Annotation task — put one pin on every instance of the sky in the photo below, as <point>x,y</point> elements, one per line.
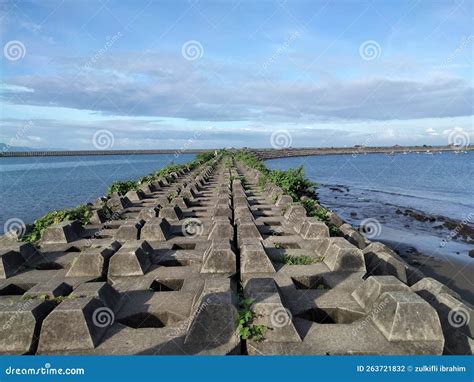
<point>212,74</point>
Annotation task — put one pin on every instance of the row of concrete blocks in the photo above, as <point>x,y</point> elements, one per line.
<point>355,253</point>
<point>72,325</point>
<point>15,255</point>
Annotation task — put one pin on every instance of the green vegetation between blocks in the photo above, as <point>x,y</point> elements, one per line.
<point>294,260</point>
<point>122,187</point>
<point>245,326</point>
<point>293,183</point>
<point>83,213</point>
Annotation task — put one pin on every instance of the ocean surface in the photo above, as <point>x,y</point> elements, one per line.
<point>379,188</point>
<point>31,187</point>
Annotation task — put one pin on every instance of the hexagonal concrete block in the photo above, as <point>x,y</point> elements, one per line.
<point>20,324</point>
<point>157,229</point>
<point>10,263</point>
<point>64,232</point>
<point>372,288</point>
<point>404,317</point>
<point>130,261</point>
<point>254,259</point>
<point>76,324</point>
<point>314,229</point>
<point>219,258</point>
<point>343,256</point>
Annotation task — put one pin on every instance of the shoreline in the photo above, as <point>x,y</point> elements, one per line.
<point>432,262</point>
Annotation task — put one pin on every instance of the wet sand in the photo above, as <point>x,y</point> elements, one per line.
<point>455,273</point>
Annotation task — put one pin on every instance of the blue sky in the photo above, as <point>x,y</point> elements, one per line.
<point>189,74</point>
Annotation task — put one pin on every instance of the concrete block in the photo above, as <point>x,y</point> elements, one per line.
<point>353,236</point>
<point>135,195</point>
<point>157,229</point>
<point>312,228</point>
<point>100,290</point>
<point>219,258</point>
<point>131,260</point>
<point>372,288</point>
<point>92,262</point>
<point>221,231</point>
<point>10,262</point>
<point>343,256</point>
<point>64,232</point>
<point>76,324</point>
<point>270,311</point>
<point>254,259</point>
<point>214,316</point>
<point>130,230</point>
<point>20,324</point>
<point>49,290</point>
<point>405,317</point>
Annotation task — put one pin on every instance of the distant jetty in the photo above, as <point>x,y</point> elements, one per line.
<point>262,153</point>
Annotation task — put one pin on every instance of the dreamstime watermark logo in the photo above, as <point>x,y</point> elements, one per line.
<point>280,317</point>
<point>14,50</point>
<point>25,305</point>
<point>280,50</point>
<point>20,133</point>
<point>103,139</point>
<point>14,228</point>
<point>370,50</point>
<point>281,139</point>
<point>110,41</point>
<point>192,227</point>
<point>192,50</point>
<point>455,232</point>
<point>369,317</point>
<point>459,137</point>
<point>370,228</point>
<point>103,317</point>
<point>178,330</point>
<point>458,317</point>
<point>462,46</point>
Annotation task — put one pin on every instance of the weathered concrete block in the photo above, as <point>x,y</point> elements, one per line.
<point>20,324</point>
<point>133,259</point>
<point>270,311</point>
<point>313,229</point>
<point>10,262</point>
<point>92,262</point>
<point>381,260</point>
<point>129,230</point>
<point>284,200</point>
<point>171,213</point>
<point>407,318</point>
<point>343,256</point>
<point>372,288</point>
<point>76,324</point>
<point>247,231</point>
<point>429,288</point>
<point>254,259</point>
<point>117,203</point>
<point>101,290</point>
<point>156,229</point>
<point>64,232</point>
<point>49,290</point>
<point>219,258</point>
<point>353,236</point>
<point>148,213</point>
<point>135,195</point>
<point>221,231</point>
<point>295,215</point>
<point>213,319</point>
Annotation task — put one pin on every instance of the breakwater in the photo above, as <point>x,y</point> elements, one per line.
<point>210,261</point>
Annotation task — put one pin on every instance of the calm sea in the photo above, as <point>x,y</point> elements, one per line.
<point>31,187</point>
<point>382,187</point>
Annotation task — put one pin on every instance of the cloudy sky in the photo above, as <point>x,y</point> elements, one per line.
<point>189,74</point>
